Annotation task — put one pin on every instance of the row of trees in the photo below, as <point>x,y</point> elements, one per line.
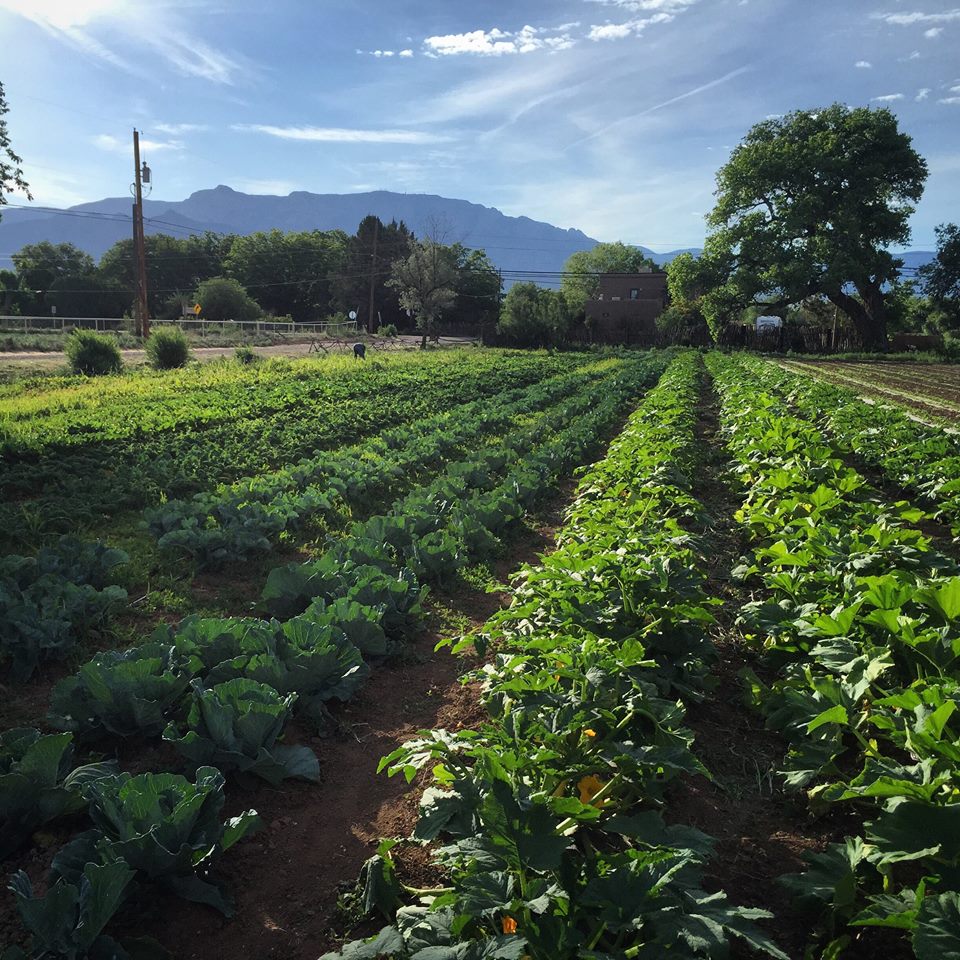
<point>305,275</point>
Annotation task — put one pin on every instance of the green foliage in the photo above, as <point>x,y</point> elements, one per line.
<point>351,290</point>
<point>92,353</point>
<point>167,348</point>
<point>224,298</point>
<point>810,204</point>
<point>67,921</point>
<point>246,356</point>
<point>580,281</point>
<point>287,273</point>
<point>38,783</point>
<point>173,263</point>
<point>534,316</point>
<point>11,174</point>
<point>683,322</point>
<point>941,278</point>
<point>387,330</point>
<point>162,826</point>
<point>425,283</point>
<point>857,619</point>
<point>235,726</point>
<point>51,601</point>
<point>559,851</point>
<point>125,693</point>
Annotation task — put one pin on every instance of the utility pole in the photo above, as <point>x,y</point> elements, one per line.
<point>139,247</point>
<point>373,274</point>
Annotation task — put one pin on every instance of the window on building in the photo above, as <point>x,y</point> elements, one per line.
<point>634,294</point>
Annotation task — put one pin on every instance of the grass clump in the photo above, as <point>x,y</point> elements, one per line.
<point>92,353</point>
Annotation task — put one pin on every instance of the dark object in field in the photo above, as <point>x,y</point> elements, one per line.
<point>360,351</point>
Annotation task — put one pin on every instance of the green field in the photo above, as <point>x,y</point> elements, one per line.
<point>708,610</point>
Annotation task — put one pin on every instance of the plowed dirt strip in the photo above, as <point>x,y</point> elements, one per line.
<point>915,399</point>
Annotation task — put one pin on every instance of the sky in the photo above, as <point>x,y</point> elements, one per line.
<point>611,116</point>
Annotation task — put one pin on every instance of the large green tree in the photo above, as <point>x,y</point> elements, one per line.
<point>425,283</point>
<point>808,204</point>
<point>43,266</point>
<point>175,265</point>
<point>941,277</point>
<point>582,270</point>
<point>535,316</point>
<point>11,173</point>
<point>370,256</point>
<point>289,274</point>
<point>477,287</point>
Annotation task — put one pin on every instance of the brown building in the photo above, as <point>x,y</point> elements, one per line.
<point>627,306</point>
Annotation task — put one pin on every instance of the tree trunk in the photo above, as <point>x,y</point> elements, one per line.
<point>869,318</point>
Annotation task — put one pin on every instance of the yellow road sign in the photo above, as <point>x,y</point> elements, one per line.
<point>197,308</point>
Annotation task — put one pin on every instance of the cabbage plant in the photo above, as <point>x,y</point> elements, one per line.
<point>126,693</point>
<point>235,725</point>
<point>37,784</point>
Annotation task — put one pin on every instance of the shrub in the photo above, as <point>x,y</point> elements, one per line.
<point>167,348</point>
<point>92,353</point>
<point>223,298</point>
<point>388,330</point>
<point>246,356</point>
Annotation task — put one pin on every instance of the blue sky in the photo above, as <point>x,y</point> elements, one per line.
<point>608,115</point>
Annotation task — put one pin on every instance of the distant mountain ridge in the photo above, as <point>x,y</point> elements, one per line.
<point>517,245</point>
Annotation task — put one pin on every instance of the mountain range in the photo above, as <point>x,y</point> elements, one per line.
<point>522,248</point>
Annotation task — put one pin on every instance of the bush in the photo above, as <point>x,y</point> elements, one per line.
<point>246,356</point>
<point>223,298</point>
<point>92,353</point>
<point>388,330</point>
<point>167,348</point>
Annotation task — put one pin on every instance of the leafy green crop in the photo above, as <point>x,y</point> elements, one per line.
<point>546,817</point>
<point>236,725</point>
<point>48,602</point>
<point>127,693</point>
<point>162,826</point>
<point>38,783</point>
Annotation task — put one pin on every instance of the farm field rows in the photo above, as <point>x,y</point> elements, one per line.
<point>711,716</point>
<point>929,390</point>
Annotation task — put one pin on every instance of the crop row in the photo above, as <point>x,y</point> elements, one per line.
<point>246,517</point>
<point>922,459</point>
<point>859,627</point>
<point>222,692</point>
<point>548,814</point>
<point>56,485</point>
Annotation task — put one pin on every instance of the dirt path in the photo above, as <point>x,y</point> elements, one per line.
<point>131,357</point>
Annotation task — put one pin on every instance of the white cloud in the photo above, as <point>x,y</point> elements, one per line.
<point>497,42</point>
<point>863,64</point>
<point>887,98</point>
<point>635,6</point>
<point>112,144</point>
<point>906,19</point>
<point>922,94</point>
<point>632,28</point>
<point>666,103</point>
<point>174,129</point>
<point>405,53</point>
<point>340,134</point>
<point>949,100</point>
<point>164,34</point>
<point>933,32</point>
<point>272,188</point>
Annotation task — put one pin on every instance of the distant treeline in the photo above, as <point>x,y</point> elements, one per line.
<point>306,276</point>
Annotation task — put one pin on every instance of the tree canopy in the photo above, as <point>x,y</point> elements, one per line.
<point>11,173</point>
<point>941,277</point>
<point>425,280</point>
<point>808,204</point>
<point>535,316</point>
<point>580,280</point>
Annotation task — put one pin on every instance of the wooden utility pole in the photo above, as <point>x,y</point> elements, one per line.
<point>139,247</point>
<point>373,274</point>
